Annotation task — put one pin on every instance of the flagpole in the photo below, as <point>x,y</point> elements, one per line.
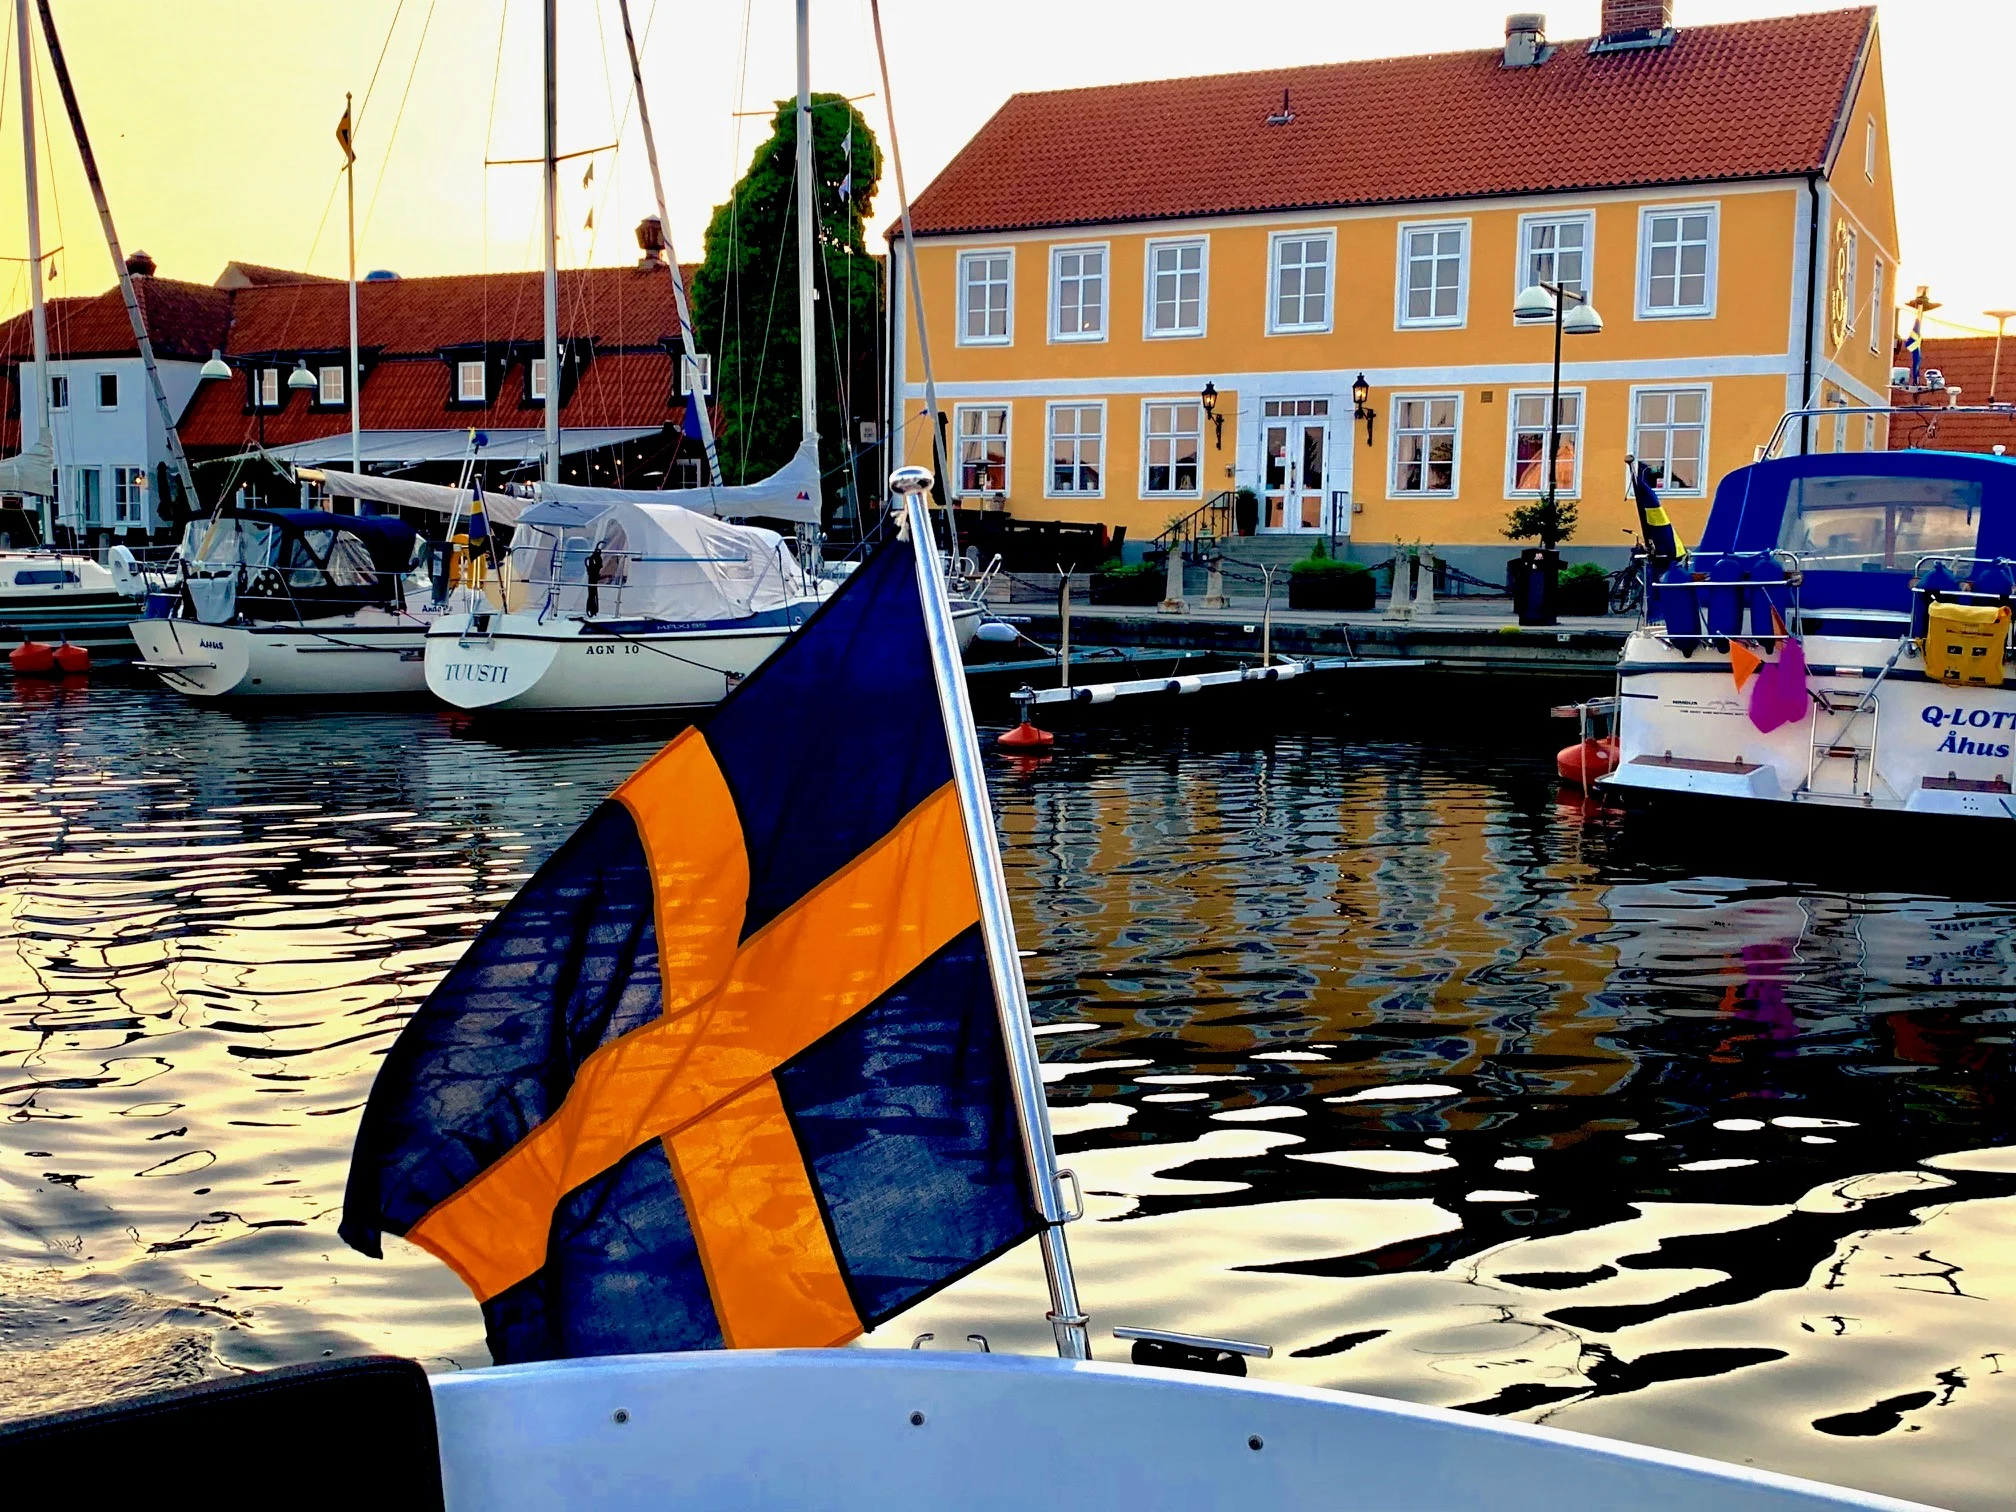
<point>350,180</point>
<point>552,235</point>
<point>997,927</point>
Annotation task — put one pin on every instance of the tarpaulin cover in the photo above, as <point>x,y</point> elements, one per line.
<point>728,1070</point>
<point>32,472</point>
<point>403,493</point>
<point>791,493</point>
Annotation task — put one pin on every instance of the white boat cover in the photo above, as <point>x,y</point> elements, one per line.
<point>406,448</point>
<point>32,472</point>
<point>404,493</point>
<point>659,562</point>
<point>791,493</point>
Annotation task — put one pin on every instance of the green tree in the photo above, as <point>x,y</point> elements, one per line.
<point>1548,519</point>
<point>745,296</point>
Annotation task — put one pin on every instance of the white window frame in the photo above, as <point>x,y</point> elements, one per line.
<point>1397,494</point>
<point>1057,254</point>
<point>1401,320</point>
<point>1705,311</point>
<point>1050,491</point>
<point>462,372</point>
<point>1869,150</point>
<point>1275,326</point>
<point>688,472</point>
<point>1175,333</point>
<point>700,362</point>
<point>967,257</point>
<point>266,388</point>
<point>1707,392</point>
<point>1573,488</point>
<point>1868,433</point>
<point>322,395</point>
<point>1876,281</point>
<point>98,384</point>
<point>59,391</point>
<point>1203,422</point>
<point>90,506</point>
<point>1520,280</point>
<point>129,496</point>
<point>1007,412</point>
<point>535,380</point>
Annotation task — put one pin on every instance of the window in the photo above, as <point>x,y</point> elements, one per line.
<point>984,282</point>
<point>329,385</point>
<point>689,472</point>
<point>1555,250</point>
<point>1078,294</point>
<point>1432,291</point>
<point>129,495</point>
<point>1878,326</point>
<point>1301,299</point>
<point>1174,442</point>
<point>108,391</point>
<point>1669,434</point>
<point>1869,150</point>
<point>59,392</point>
<point>1424,444</point>
<point>267,394</point>
<point>90,505</point>
<point>535,380</point>
<point>1077,449</point>
<point>1677,262</point>
<point>1868,433</point>
<point>983,448</point>
<point>1848,524</point>
<point>470,387</point>
<point>1840,403</point>
<point>1851,254</point>
<point>700,365</point>
<point>1176,288</point>
<point>1528,412</point>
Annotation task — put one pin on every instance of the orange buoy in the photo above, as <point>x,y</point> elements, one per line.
<point>1025,735</point>
<point>72,659</point>
<point>1587,760</point>
<point>32,659</point>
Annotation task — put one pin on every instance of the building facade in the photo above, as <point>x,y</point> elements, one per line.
<point>1142,297</point>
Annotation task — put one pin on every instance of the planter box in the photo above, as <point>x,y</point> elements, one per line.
<point>1136,590</point>
<point>1332,590</point>
<point>1582,595</point>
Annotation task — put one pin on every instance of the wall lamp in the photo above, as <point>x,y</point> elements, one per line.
<point>1360,410</point>
<point>1210,399</point>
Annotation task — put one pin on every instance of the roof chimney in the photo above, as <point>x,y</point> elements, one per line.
<point>1525,39</point>
<point>651,239</point>
<point>139,264</point>
<point>1636,23</point>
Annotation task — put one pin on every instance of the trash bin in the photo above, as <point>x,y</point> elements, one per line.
<point>1532,578</point>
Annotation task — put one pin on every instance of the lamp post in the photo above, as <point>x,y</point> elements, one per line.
<point>1360,410</point>
<point>1550,302</point>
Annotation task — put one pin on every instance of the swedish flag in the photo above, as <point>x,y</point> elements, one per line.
<point>728,1071</point>
<point>1914,343</point>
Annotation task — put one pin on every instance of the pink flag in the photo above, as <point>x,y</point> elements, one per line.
<point>1779,694</point>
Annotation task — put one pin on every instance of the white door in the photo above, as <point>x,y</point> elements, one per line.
<point>1294,463</point>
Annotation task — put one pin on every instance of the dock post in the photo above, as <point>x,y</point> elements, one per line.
<point>1424,583</point>
<point>1172,589</point>
<point>1267,619</point>
<point>1063,628</point>
<point>1214,590</point>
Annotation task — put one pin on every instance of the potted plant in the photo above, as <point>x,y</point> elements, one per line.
<point>1246,511</point>
<point>1137,584</point>
<point>1320,581</point>
<point>1584,589</point>
<point>1533,576</point>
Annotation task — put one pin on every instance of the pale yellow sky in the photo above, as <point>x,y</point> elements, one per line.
<point>213,119</point>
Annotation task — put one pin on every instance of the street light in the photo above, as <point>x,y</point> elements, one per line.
<point>301,378</point>
<point>1360,410</point>
<point>1209,399</point>
<point>1550,302</point>
<point>216,367</point>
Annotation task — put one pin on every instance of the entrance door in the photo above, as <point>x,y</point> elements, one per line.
<point>1295,455</point>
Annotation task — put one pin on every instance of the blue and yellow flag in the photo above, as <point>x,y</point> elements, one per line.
<point>728,1071</point>
<point>1914,343</point>
<point>1662,542</point>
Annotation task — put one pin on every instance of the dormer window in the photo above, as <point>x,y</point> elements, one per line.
<point>535,379</point>
<point>329,385</point>
<point>266,388</point>
<point>470,387</point>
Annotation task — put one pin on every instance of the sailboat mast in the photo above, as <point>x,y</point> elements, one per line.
<point>350,183</point>
<point>38,318</point>
<point>552,176</point>
<point>808,350</point>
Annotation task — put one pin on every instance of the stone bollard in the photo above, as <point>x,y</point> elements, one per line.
<point>1424,583</point>
<point>1172,592</point>
<point>1214,591</point>
<point>1400,603</point>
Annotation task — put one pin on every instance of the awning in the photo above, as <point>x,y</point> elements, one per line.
<point>408,448</point>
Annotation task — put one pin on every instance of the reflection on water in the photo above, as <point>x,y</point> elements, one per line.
<point>1379,1054</point>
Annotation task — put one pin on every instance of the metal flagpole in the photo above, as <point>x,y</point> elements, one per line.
<point>552,174</point>
<point>350,180</point>
<point>39,320</point>
<point>808,349</point>
<point>997,927</point>
<point>691,352</point>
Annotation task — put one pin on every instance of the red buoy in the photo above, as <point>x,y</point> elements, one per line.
<point>71,660</point>
<point>32,659</point>
<point>1025,735</point>
<point>1586,761</point>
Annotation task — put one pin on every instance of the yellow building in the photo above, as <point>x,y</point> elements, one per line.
<point>1142,297</point>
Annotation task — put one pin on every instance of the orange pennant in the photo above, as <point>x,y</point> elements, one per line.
<point>1743,662</point>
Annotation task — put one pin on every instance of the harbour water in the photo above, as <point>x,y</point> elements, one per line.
<point>1374,1049</point>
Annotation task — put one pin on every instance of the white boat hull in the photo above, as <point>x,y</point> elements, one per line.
<point>515,664</point>
<point>1917,747</point>
<point>372,655</point>
<point>878,1430</point>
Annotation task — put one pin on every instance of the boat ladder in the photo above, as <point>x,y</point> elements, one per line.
<point>1844,728</point>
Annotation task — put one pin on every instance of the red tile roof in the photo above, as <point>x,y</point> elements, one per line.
<point>244,275</point>
<point>1967,362</point>
<point>1755,99</point>
<point>184,320</point>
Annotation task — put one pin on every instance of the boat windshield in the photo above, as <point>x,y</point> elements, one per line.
<point>1869,524</point>
<point>341,558</point>
<point>231,542</point>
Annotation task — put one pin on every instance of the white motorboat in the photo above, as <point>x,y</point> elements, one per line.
<point>54,596</point>
<point>278,603</point>
<point>1839,640</point>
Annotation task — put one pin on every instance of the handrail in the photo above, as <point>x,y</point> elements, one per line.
<point>1214,517</point>
<point>1822,411</point>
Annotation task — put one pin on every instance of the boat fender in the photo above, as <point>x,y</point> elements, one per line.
<point>995,633</point>
<point>32,659</point>
<point>1102,693</point>
<point>1189,684</point>
<point>126,575</point>
<point>1022,737</point>
<point>1585,761</point>
<point>72,660</point>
